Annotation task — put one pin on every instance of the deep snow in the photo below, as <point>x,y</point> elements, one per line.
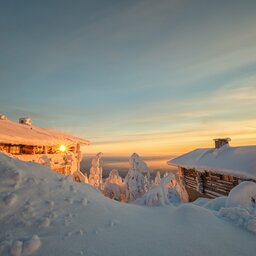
<point>46,213</point>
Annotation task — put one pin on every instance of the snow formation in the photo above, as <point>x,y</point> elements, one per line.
<point>114,187</point>
<point>95,177</point>
<point>134,180</point>
<point>157,194</point>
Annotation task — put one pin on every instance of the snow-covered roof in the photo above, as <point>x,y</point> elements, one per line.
<point>15,133</point>
<point>235,161</point>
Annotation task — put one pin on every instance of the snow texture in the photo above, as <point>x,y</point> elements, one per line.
<point>234,161</point>
<point>53,215</point>
<point>15,133</point>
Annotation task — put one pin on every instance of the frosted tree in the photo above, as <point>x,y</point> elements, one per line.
<point>78,176</point>
<point>180,188</point>
<point>157,194</point>
<point>134,180</point>
<point>114,187</point>
<point>95,177</point>
<point>158,178</point>
<point>146,183</point>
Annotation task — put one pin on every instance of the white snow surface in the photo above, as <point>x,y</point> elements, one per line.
<point>46,213</point>
<point>236,161</point>
<point>15,133</point>
<point>244,195</point>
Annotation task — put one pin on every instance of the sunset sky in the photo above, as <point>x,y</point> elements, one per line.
<point>152,77</point>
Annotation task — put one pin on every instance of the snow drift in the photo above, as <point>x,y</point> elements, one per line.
<point>46,213</point>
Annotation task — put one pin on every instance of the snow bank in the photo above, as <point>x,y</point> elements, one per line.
<point>244,195</point>
<point>46,213</point>
<point>240,206</point>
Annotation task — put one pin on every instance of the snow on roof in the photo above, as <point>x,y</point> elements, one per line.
<point>235,161</point>
<point>15,133</point>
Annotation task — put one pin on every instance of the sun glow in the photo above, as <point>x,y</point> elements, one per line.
<point>63,148</point>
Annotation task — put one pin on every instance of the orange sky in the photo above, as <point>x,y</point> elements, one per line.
<point>176,142</point>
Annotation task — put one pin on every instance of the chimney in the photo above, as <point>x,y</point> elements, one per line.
<point>221,142</point>
<point>25,120</point>
<point>3,117</point>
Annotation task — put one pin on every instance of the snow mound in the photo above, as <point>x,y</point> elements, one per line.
<point>244,195</point>
<point>240,206</point>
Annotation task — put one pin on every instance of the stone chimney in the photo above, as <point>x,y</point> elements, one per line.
<point>219,142</point>
<point>25,120</point>
<point>3,117</point>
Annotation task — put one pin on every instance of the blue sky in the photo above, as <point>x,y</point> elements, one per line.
<point>151,76</point>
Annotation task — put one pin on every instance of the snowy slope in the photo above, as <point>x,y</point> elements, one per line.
<point>66,218</point>
<point>237,161</point>
<point>15,133</point>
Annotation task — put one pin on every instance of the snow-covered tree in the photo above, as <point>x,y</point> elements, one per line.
<point>134,180</point>
<point>78,176</point>
<point>157,194</point>
<point>95,177</point>
<point>158,178</point>
<point>114,186</point>
<point>180,188</point>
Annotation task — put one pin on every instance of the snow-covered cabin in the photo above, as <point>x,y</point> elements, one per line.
<point>213,172</point>
<point>57,149</point>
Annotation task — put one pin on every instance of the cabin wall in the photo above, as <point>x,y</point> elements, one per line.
<point>207,184</point>
<point>64,162</point>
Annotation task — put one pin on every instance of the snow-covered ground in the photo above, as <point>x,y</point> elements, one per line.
<point>45,213</point>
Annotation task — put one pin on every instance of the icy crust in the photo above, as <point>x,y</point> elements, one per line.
<point>46,213</point>
<point>234,161</point>
<point>15,133</point>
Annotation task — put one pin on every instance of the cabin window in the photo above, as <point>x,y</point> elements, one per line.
<point>72,149</point>
<point>15,150</point>
<point>227,178</point>
<point>39,150</point>
<point>4,148</point>
<point>52,150</point>
<point>27,150</point>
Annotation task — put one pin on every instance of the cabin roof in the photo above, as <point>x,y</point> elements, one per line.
<point>22,134</point>
<point>235,161</point>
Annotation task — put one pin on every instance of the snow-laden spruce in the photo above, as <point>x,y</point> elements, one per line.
<point>95,177</point>
<point>134,180</point>
<point>114,187</point>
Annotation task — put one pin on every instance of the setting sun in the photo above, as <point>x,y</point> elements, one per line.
<point>63,148</point>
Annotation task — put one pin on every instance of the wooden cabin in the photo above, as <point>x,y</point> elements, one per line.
<point>56,149</point>
<point>213,172</point>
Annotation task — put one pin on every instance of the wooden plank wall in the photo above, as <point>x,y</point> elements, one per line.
<point>214,184</point>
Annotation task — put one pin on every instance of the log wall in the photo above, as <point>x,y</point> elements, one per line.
<point>211,184</point>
